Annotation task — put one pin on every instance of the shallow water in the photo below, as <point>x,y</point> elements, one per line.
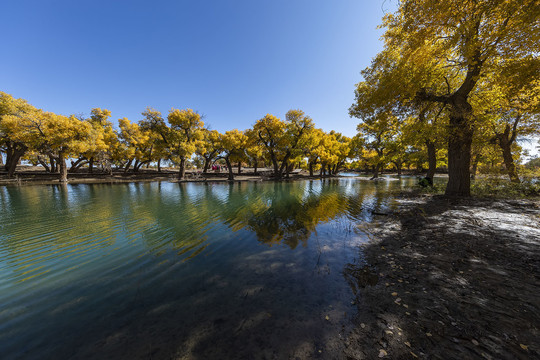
<point>168,270</point>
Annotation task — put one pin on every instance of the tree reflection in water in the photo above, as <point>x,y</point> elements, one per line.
<point>145,263</point>
<point>280,212</point>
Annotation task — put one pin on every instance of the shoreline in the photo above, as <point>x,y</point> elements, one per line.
<point>449,278</point>
<point>39,177</point>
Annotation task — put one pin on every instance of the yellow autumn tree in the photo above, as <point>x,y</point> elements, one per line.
<point>233,145</point>
<point>209,148</point>
<point>186,134</point>
<point>60,137</point>
<point>15,138</point>
<point>439,52</point>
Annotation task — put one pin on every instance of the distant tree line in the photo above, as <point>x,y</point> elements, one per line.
<point>52,140</point>
<point>384,142</point>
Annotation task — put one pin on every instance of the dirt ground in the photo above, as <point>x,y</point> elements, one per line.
<point>450,279</point>
<point>36,175</point>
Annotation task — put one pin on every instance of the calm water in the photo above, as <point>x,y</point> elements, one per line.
<point>167,270</point>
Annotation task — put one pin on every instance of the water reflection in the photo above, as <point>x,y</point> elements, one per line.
<point>68,219</point>
<point>164,263</point>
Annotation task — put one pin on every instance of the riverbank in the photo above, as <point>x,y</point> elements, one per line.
<point>450,279</point>
<point>36,175</point>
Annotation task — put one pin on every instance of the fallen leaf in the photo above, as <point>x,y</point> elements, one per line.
<point>394,294</point>
<point>429,334</point>
<point>362,325</point>
<point>524,347</point>
<point>389,332</point>
<point>408,343</point>
<point>407,306</point>
<point>413,354</point>
<point>382,353</point>
<point>327,318</point>
<point>474,342</point>
<point>408,313</point>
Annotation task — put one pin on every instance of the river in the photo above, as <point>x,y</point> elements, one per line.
<point>182,270</point>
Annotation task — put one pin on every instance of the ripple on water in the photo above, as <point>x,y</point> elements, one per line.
<point>185,266</point>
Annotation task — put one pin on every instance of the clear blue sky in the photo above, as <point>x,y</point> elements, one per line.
<point>233,61</point>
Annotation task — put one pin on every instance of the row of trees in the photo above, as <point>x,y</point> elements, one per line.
<point>51,140</point>
<point>383,140</point>
<point>464,75</point>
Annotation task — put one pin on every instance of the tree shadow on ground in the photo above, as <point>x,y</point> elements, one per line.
<point>456,279</point>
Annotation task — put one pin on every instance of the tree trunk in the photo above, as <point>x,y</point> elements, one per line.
<point>44,164</point>
<point>13,156</point>
<point>288,170</point>
<point>509,160</point>
<point>128,165</point>
<point>255,163</point>
<point>375,172</point>
<point>459,149</point>
<point>182,172</point>
<point>206,164</point>
<point>63,167</point>
<point>139,164</point>
<point>75,165</point>
<point>1,159</point>
<point>159,165</point>
<point>229,167</point>
<point>276,167</point>
<point>475,166</point>
<point>398,164</point>
<point>239,167</point>
<point>91,165</point>
<point>432,160</point>
<point>505,140</point>
<point>54,164</point>
<point>321,172</point>
<point>310,168</point>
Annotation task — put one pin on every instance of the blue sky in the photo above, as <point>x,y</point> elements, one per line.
<point>233,61</point>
